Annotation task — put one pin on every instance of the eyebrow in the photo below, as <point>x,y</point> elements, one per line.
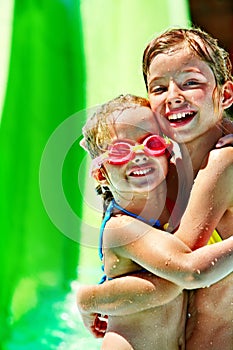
<point>185,71</point>
<point>192,70</point>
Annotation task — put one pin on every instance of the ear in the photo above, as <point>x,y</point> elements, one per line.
<point>82,143</point>
<point>227,94</point>
<point>99,176</point>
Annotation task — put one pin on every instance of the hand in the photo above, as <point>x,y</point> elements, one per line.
<point>100,325</point>
<point>226,140</point>
<point>95,323</point>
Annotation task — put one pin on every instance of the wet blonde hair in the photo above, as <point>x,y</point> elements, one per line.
<point>97,130</point>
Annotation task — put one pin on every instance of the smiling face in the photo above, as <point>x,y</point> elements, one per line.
<point>183,95</point>
<point>143,172</point>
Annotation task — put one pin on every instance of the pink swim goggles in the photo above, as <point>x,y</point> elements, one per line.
<point>123,152</point>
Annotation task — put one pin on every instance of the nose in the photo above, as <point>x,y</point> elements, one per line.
<point>140,158</point>
<point>175,96</point>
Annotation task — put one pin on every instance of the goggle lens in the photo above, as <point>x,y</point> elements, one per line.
<point>155,144</point>
<point>119,153</point>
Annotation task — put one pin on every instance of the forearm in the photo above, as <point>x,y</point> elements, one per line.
<point>126,295</point>
<point>174,261</point>
<point>200,268</point>
<point>210,264</point>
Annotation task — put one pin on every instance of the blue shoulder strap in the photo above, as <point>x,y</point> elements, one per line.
<point>107,216</point>
<point>151,222</point>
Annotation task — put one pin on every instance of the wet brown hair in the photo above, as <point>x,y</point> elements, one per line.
<point>199,42</point>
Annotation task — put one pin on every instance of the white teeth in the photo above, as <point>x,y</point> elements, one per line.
<point>178,116</point>
<point>141,172</point>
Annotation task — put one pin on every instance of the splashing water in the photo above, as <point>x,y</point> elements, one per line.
<point>54,323</point>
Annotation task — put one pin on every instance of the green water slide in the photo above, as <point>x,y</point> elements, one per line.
<point>46,84</point>
<point>66,56</point>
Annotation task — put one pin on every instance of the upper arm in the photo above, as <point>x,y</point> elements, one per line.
<point>211,196</point>
<point>168,257</point>
<point>137,243</point>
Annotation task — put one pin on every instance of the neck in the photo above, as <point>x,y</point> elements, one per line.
<point>148,205</point>
<point>197,150</point>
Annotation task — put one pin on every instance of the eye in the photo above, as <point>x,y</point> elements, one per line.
<point>192,83</point>
<point>157,90</point>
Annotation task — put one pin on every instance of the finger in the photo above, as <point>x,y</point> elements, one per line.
<point>226,140</point>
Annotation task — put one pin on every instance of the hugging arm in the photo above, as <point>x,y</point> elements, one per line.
<point>171,256</point>
<point>210,200</point>
<point>166,255</point>
<point>122,296</point>
<point>125,295</point>
<point>173,260</point>
<point>135,293</point>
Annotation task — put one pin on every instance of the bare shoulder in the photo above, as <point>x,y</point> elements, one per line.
<point>121,230</point>
<point>215,178</point>
<point>221,156</point>
<point>219,162</point>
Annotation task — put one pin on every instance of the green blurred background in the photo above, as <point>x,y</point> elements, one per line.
<point>58,58</point>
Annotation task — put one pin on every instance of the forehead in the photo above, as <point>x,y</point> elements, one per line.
<point>135,121</point>
<point>179,61</point>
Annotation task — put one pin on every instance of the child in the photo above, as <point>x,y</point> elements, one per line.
<point>133,161</point>
<point>190,88</point>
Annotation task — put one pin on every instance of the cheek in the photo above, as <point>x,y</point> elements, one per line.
<point>115,173</point>
<point>162,166</point>
<point>200,96</point>
<point>209,106</point>
<point>155,101</point>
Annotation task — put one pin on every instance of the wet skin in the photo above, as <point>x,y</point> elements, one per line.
<point>189,107</point>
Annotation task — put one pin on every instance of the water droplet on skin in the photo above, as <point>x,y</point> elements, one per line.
<point>167,262</point>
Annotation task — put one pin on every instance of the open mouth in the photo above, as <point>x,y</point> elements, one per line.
<point>179,118</point>
<point>141,172</point>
